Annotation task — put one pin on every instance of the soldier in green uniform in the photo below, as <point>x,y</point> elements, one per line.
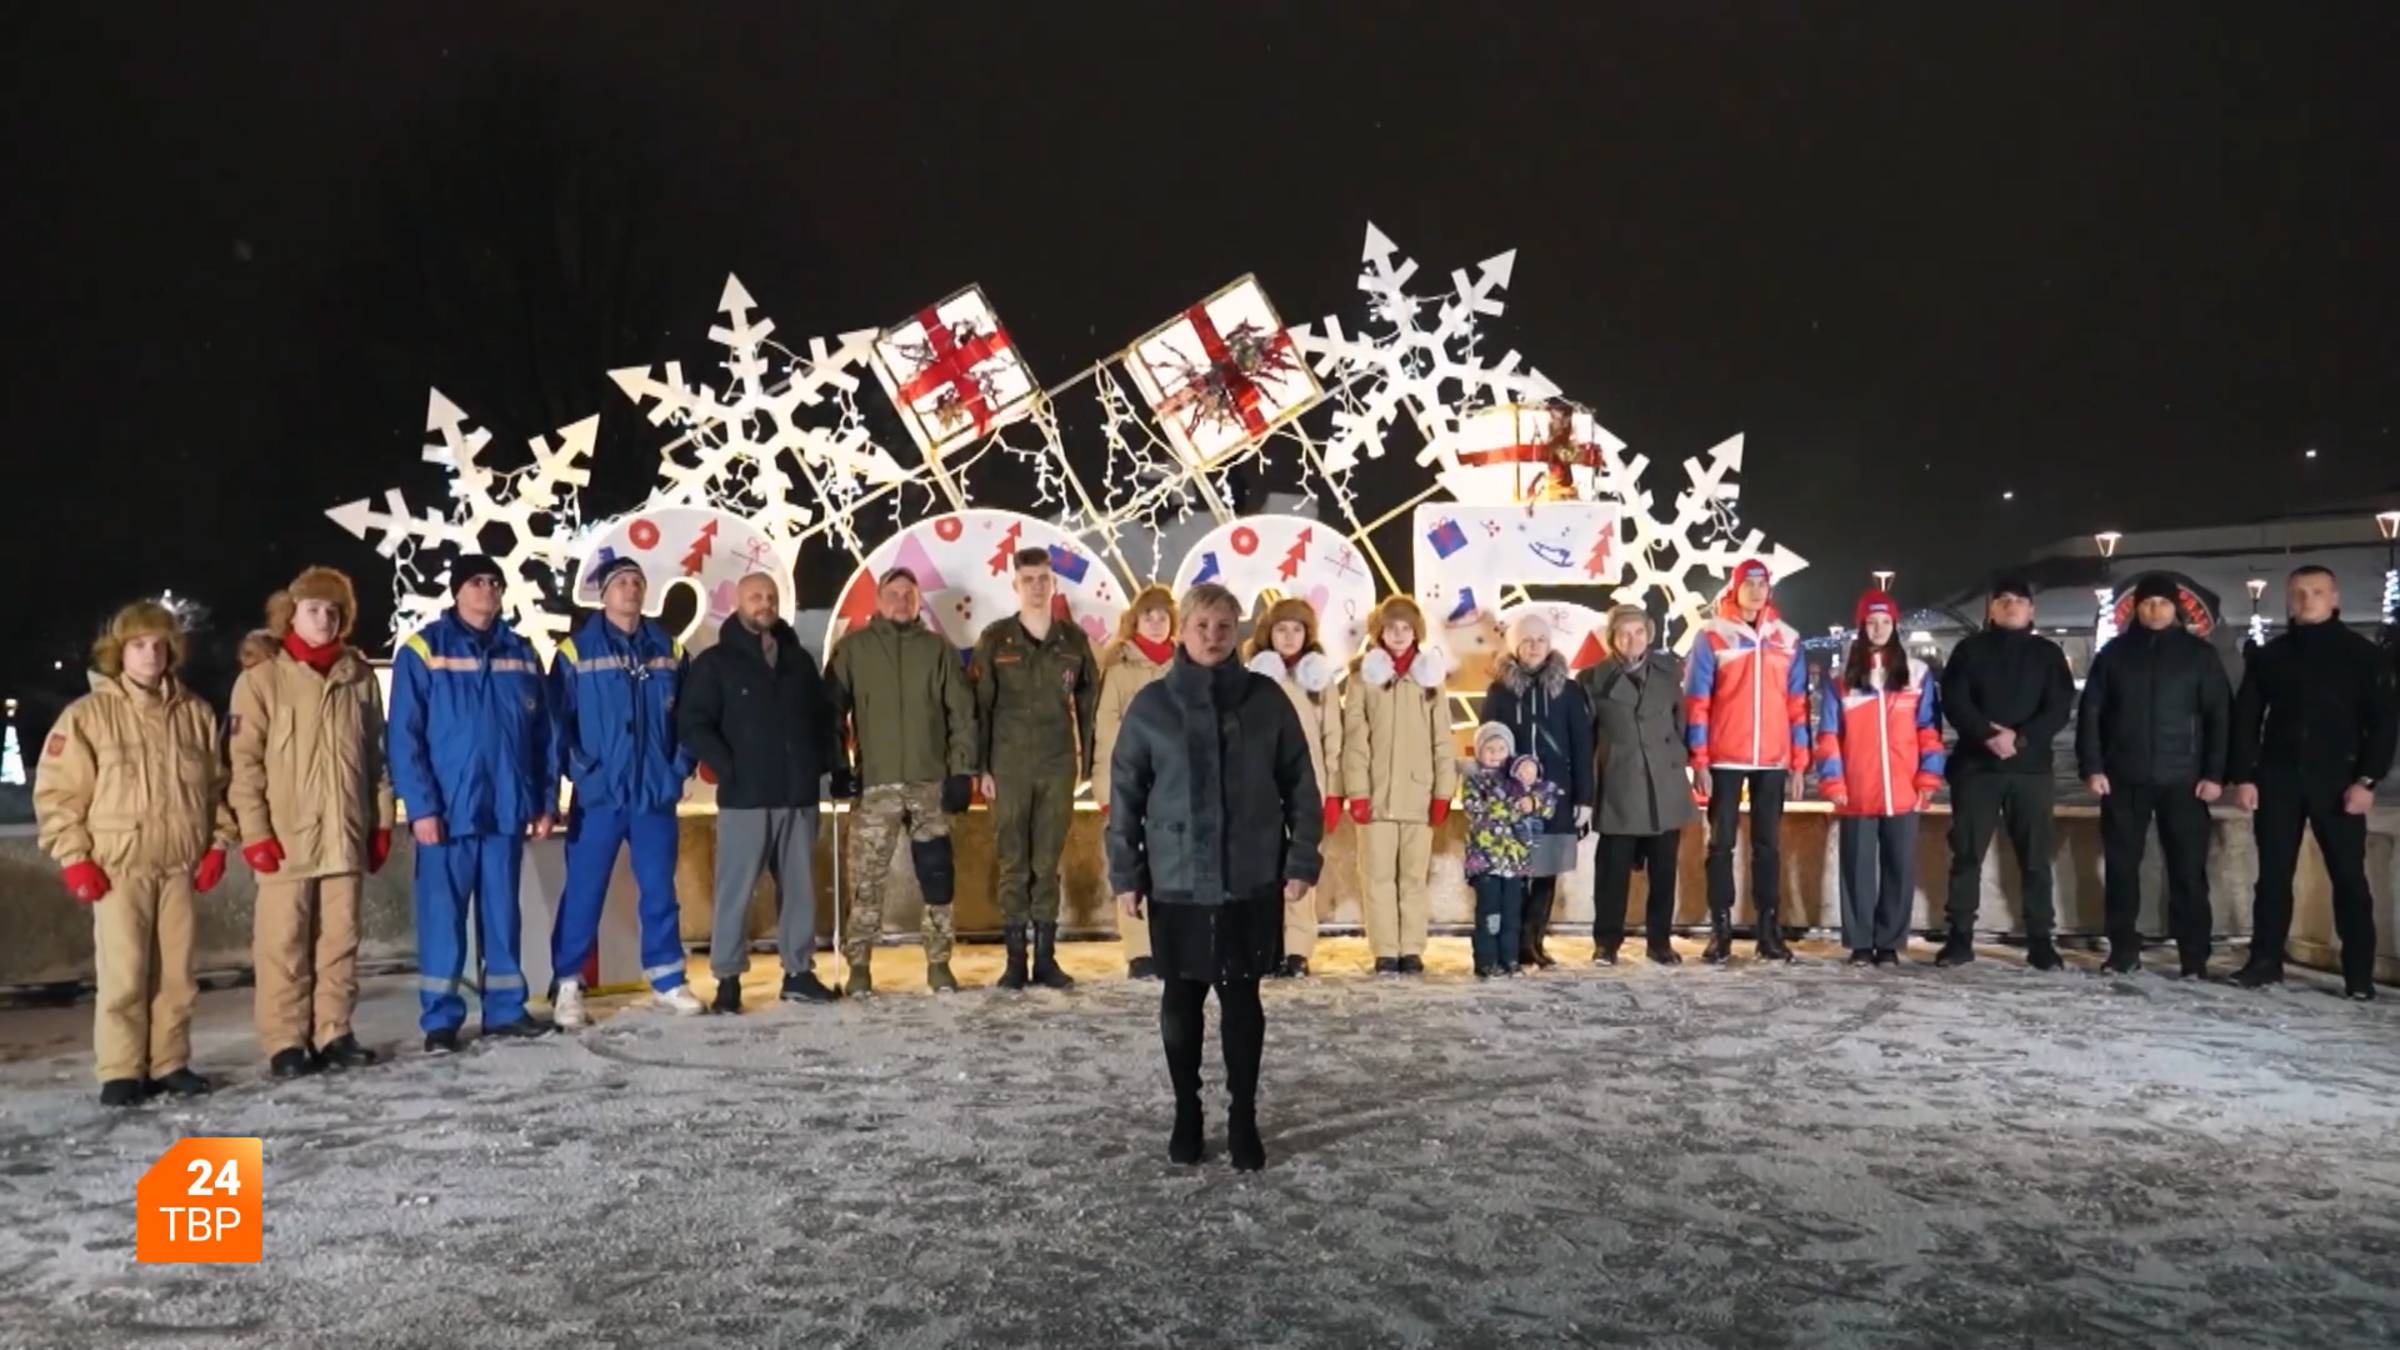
<point>1035,688</point>
<point>901,696</point>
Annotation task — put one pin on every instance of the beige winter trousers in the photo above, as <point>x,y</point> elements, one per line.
<point>1300,925</point>
<point>304,945</point>
<point>142,961</point>
<point>1397,857</point>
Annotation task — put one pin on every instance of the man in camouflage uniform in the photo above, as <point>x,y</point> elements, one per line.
<point>901,697</point>
<point>1036,685</point>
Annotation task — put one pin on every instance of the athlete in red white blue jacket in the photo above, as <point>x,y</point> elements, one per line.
<point>1879,758</point>
<point>1746,703</point>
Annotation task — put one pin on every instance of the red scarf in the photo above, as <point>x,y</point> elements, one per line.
<point>1403,661</point>
<point>1160,653</point>
<point>318,659</point>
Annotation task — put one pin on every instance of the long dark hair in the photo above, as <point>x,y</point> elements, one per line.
<point>1857,672</point>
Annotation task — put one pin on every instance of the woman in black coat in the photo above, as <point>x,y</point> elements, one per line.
<point>1536,697</point>
<point>1214,822</point>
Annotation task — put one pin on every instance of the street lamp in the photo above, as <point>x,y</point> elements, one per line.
<point>2388,523</point>
<point>2257,586</point>
<point>1883,579</point>
<point>2104,627</point>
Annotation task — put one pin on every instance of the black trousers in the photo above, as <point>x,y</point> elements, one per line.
<point>1980,803</point>
<point>1616,857</point>
<point>1183,1025</point>
<point>1766,838</point>
<point>2125,816</point>
<point>2286,802</point>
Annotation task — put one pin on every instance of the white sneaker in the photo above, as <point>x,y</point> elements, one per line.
<point>566,1006</point>
<point>680,1001</point>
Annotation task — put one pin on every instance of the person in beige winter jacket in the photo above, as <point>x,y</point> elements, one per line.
<point>1399,770</point>
<point>1140,653</point>
<point>313,797</point>
<point>130,796</point>
<point>1283,647</point>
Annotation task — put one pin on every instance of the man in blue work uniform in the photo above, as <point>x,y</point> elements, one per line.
<point>470,752</point>
<point>612,707</point>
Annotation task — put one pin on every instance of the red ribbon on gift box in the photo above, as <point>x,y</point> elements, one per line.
<point>953,364</point>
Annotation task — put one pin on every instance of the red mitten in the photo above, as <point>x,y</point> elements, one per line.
<point>86,882</point>
<point>708,775</point>
<point>1362,810</point>
<point>1439,811</point>
<point>264,856</point>
<point>210,871</point>
<point>1333,813</point>
<point>1836,791</point>
<point>1104,810</point>
<point>379,850</point>
<point>1928,784</point>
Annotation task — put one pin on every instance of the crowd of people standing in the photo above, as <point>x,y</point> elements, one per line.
<point>1219,765</point>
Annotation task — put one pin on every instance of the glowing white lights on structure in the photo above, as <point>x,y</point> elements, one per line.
<point>2388,524</point>
<point>2257,586</point>
<point>2104,626</point>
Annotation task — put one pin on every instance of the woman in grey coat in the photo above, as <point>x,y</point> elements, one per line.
<point>1645,781</point>
<point>1214,823</point>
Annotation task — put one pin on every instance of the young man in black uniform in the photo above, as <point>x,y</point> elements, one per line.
<point>2313,730</point>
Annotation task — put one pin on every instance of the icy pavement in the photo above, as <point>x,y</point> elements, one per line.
<point>1687,1157</point>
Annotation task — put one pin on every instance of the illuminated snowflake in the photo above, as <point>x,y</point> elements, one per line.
<point>534,510</point>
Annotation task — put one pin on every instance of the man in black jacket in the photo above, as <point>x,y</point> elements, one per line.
<point>760,721</point>
<point>2150,742</point>
<point>2008,692</point>
<point>2313,730</point>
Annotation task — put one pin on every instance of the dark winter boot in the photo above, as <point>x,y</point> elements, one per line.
<point>1720,937</point>
<point>1412,965</point>
<point>1958,950</point>
<point>939,979</point>
<point>1662,952</point>
<point>861,983</point>
<point>442,1041</point>
<point>525,1028</point>
<point>2259,972</point>
<point>182,1083</point>
<point>2358,991</point>
<point>1387,965</point>
<point>729,997</point>
<point>1142,968</point>
<point>344,1052</point>
<point>291,1062</point>
<point>1770,938</point>
<point>2124,954</point>
<point>1606,953</point>
<point>2042,954</point>
<point>2192,961</point>
<point>1016,966</point>
<point>1248,1151</point>
<point>1534,942</point>
<point>1187,1146</point>
<point>1294,967</point>
<point>121,1092</point>
<point>1045,958</point>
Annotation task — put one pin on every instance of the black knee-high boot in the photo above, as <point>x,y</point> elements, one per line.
<point>1245,1041</point>
<point>1541,893</point>
<point>1182,1023</point>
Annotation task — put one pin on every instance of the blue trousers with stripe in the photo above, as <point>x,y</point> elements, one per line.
<point>477,871</point>
<point>593,838</point>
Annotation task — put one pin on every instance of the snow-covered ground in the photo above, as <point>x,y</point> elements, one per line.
<point>1746,1157</point>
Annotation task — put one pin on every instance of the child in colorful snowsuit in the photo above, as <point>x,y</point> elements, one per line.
<point>1508,805</point>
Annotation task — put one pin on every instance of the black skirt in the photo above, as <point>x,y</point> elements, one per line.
<point>1221,944</point>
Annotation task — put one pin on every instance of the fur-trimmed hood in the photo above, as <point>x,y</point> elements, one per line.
<point>1552,673</point>
<point>1430,668</point>
<point>1315,672</point>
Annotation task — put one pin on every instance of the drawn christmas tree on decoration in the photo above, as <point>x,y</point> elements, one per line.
<point>703,544</point>
<point>1004,557</point>
<point>1294,556</point>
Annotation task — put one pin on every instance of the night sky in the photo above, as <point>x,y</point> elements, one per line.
<point>2128,262</point>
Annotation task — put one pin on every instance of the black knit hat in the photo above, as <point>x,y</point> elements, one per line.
<point>468,566</point>
<point>610,570</point>
<point>2011,584</point>
<point>2157,586</point>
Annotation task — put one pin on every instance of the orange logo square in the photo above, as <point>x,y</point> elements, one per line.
<point>202,1202</point>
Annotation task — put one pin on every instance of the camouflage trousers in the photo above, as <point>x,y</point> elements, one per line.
<point>887,815</point>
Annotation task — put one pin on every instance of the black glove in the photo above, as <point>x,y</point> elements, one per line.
<point>842,783</point>
<point>958,790</point>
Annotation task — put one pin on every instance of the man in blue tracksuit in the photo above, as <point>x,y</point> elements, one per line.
<point>471,757</point>
<point>612,706</point>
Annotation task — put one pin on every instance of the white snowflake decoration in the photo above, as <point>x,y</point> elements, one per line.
<point>740,449</point>
<point>1433,373</point>
<point>536,504</point>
